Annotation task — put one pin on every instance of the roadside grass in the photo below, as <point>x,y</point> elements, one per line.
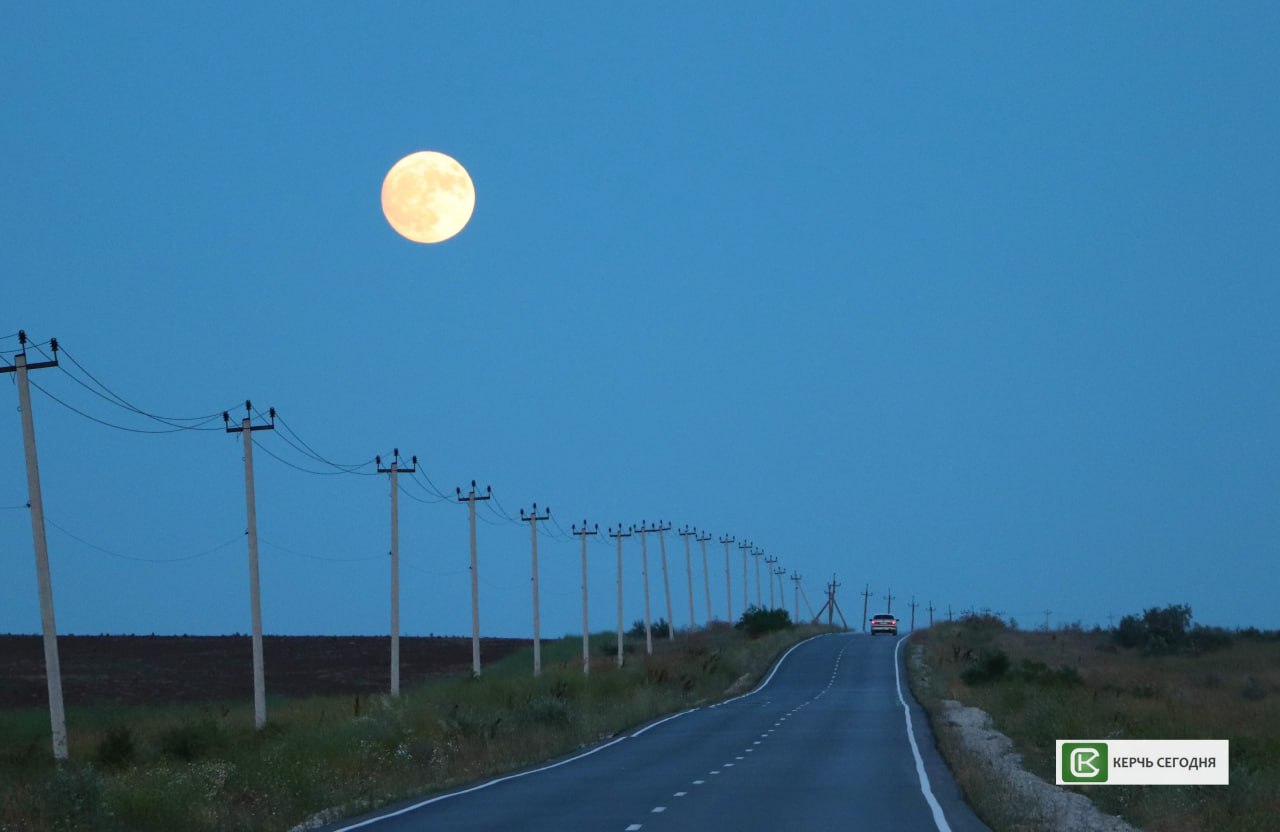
<point>204,767</point>
<point>1081,685</point>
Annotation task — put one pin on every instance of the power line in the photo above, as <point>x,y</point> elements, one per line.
<point>106,551</point>
<point>103,421</point>
<point>316,455</point>
<point>435,489</point>
<point>308,556</point>
<point>116,399</point>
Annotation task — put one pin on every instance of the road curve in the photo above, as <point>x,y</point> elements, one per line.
<point>825,742</point>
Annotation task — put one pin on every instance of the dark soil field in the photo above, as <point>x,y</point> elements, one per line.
<point>145,670</point>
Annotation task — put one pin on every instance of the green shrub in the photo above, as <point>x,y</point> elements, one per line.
<point>756,622</point>
<point>1039,673</point>
<point>117,748</point>
<point>990,666</point>
<point>659,629</point>
<point>188,741</point>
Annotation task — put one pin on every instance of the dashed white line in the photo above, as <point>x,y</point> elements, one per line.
<point>657,810</point>
<point>680,794</point>
<point>698,782</point>
<point>635,827</point>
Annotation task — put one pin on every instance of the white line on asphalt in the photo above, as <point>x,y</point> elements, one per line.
<point>486,785</point>
<point>681,794</point>
<point>939,819</point>
<point>698,782</point>
<point>657,810</point>
<point>635,827</point>
<point>599,748</point>
<point>769,678</point>
<point>659,722</point>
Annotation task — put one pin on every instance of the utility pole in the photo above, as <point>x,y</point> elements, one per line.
<point>890,598</point>
<point>686,533</point>
<point>795,580</point>
<point>781,573</point>
<point>728,589</point>
<point>644,570</point>
<point>756,553</point>
<point>1047,613</point>
<point>394,470</point>
<point>586,642</point>
<point>255,598</point>
<point>706,575</point>
<point>930,613</point>
<point>866,594</point>
<point>619,534</point>
<point>949,618</point>
<point>470,499</point>
<point>768,568</point>
<point>44,579</point>
<point>745,546</point>
<point>532,519</point>
<point>666,585</point>
<point>913,613</point>
<point>831,608</point>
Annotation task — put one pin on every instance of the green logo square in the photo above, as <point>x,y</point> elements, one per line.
<point>1084,762</point>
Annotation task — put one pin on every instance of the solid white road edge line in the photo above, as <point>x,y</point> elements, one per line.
<point>939,819</point>
<point>598,748</point>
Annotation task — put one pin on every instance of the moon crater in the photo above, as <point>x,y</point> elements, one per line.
<point>428,197</point>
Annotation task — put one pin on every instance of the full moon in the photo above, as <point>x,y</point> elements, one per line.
<point>428,197</point>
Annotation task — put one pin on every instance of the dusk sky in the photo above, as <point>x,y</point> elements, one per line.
<point>971,302</point>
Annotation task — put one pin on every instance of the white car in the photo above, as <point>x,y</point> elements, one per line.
<point>884,624</point>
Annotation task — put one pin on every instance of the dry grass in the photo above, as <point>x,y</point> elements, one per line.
<point>1231,694</point>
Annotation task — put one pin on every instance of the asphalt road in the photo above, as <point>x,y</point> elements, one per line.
<point>823,744</point>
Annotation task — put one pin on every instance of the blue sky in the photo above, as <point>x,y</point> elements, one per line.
<point>970,302</point>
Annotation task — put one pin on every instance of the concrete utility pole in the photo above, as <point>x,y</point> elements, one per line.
<point>913,613</point>
<point>781,574</point>
<point>831,608</point>
<point>394,470</point>
<point>686,533</point>
<point>757,553</point>
<point>949,617</point>
<point>666,585</point>
<point>470,499</point>
<point>644,571</point>
<point>728,589</point>
<point>1047,613</point>
<point>930,613</point>
<point>866,595</point>
<point>768,564</point>
<point>44,579</point>
<point>795,580</point>
<point>532,519</point>
<point>619,534</point>
<point>586,641</point>
<point>255,598</point>
<point>745,546</point>
<point>890,598</point>
<point>706,575</point>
